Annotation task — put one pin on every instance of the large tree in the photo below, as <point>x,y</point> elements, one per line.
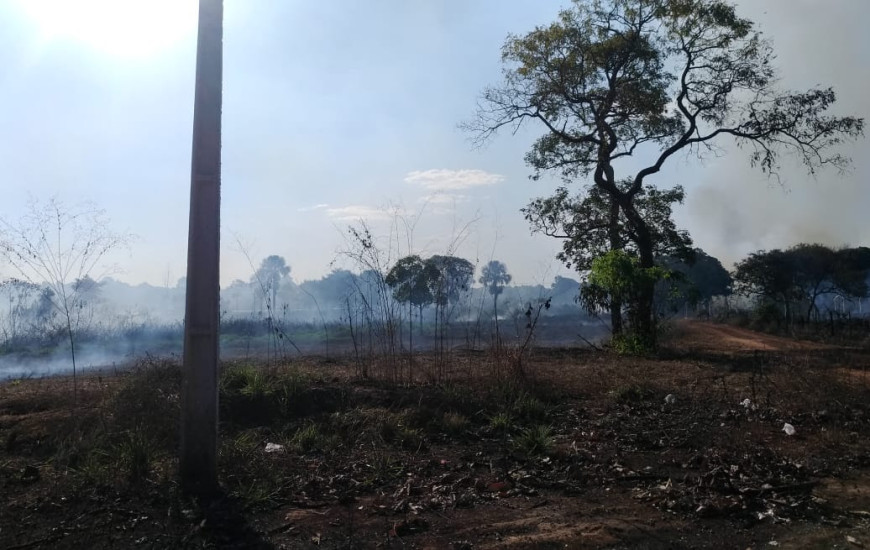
<point>590,225</point>
<point>452,277</point>
<point>494,276</point>
<point>701,277</point>
<point>767,275</point>
<point>411,279</point>
<point>621,86</point>
<point>802,274</point>
<point>272,272</point>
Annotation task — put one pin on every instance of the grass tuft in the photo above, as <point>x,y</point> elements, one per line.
<point>535,441</point>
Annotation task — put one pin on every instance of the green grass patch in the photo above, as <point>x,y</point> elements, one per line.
<point>535,441</point>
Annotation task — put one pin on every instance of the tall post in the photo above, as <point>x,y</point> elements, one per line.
<point>199,413</point>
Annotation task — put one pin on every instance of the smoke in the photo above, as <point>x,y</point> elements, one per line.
<point>122,323</point>
<point>736,210</point>
<point>732,209</point>
<point>58,362</point>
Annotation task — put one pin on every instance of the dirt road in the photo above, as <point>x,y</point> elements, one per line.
<point>719,338</point>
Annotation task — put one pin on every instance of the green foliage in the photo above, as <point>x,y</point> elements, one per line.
<point>801,274</point>
<point>501,422</point>
<point>382,467</point>
<point>246,395</point>
<point>235,378</point>
<point>617,276</point>
<point>612,79</point>
<point>620,274</point>
<point>535,441</point>
<point>395,429</point>
<point>696,280</point>
<point>252,395</point>
<point>257,385</point>
<point>309,438</point>
<point>590,224</point>
<point>454,276</point>
<point>412,280</point>
<point>631,343</point>
<point>250,473</point>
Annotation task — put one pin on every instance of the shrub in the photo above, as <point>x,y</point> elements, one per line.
<point>535,441</point>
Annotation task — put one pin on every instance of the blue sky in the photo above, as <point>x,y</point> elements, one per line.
<point>336,110</point>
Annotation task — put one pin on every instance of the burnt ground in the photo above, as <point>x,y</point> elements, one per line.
<point>561,448</point>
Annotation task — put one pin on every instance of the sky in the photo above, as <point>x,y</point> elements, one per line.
<point>339,111</point>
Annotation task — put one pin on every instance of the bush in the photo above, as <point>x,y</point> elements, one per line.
<point>632,344</point>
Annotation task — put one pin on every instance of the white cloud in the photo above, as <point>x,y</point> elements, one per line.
<point>452,180</point>
<point>444,199</point>
<point>357,212</point>
<point>320,206</point>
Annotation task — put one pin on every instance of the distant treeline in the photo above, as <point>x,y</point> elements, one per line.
<point>802,284</point>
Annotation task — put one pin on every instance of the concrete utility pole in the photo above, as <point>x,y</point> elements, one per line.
<point>199,412</point>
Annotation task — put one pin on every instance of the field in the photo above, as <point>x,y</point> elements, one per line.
<point>562,448</point>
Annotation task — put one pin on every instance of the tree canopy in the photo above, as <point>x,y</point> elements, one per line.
<point>494,276</point>
<point>702,278</point>
<point>454,276</point>
<point>621,86</point>
<point>412,279</point>
<point>802,274</point>
<point>272,272</point>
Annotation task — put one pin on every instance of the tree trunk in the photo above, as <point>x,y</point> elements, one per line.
<point>410,342</point>
<point>616,325</point>
<point>643,318</point>
<point>495,313</point>
<point>72,350</point>
<point>616,317</point>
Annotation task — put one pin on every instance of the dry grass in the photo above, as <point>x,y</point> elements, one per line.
<point>576,421</point>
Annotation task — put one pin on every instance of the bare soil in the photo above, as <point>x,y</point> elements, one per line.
<point>682,450</point>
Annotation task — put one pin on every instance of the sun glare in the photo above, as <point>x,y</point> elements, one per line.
<point>122,28</point>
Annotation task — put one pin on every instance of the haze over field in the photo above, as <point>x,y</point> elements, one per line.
<point>335,112</point>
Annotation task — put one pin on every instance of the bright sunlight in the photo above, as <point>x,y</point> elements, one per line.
<point>121,28</point>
